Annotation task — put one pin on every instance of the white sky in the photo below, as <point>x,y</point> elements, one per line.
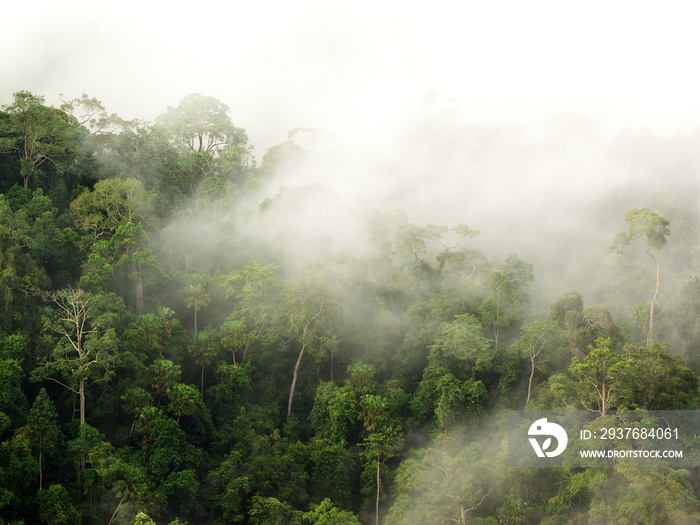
<point>362,68</point>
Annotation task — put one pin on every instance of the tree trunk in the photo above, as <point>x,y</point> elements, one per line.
<point>41,477</point>
<point>529,383</point>
<point>376,510</point>
<point>604,404</point>
<point>131,432</point>
<point>650,338</point>
<point>81,393</point>
<point>294,380</point>
<point>115,511</point>
<point>140,305</point>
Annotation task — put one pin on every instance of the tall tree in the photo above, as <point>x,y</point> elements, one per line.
<point>195,294</point>
<point>201,124</point>
<point>308,317</point>
<point>38,135</point>
<point>503,307</point>
<point>91,114</point>
<point>84,353</point>
<point>596,375</point>
<point>204,349</point>
<point>203,132</point>
<point>536,343</point>
<point>112,202</point>
<point>652,228</point>
<point>253,288</point>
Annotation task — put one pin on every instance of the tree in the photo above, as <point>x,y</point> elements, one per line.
<point>145,153</point>
<point>650,378</point>
<point>271,511</point>
<point>56,507</point>
<point>252,286</point>
<point>686,319</point>
<point>325,513</point>
<point>143,519</point>
<point>165,374</point>
<point>204,350</point>
<point>13,403</point>
<point>18,471</point>
<point>536,343</point>
<point>652,228</point>
<point>308,316</point>
<point>277,468</point>
<point>596,375</point>
<point>227,489</point>
<point>503,308</point>
<point>417,245</point>
<point>42,421</point>
<point>184,400</point>
<point>637,495</point>
<point>84,354</point>
<point>462,345</point>
<point>383,439</point>
<point>201,124</point>
<point>196,295</point>
<point>449,481</point>
<point>111,203</point>
<point>20,272</point>
<point>90,113</point>
<point>201,128</point>
<point>38,135</point>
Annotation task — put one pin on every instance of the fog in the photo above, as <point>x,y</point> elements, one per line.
<point>362,68</point>
<point>537,124</point>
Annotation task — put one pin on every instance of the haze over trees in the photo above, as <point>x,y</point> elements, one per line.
<point>188,336</point>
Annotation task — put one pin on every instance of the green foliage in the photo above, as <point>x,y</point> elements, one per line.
<point>448,481</point>
<point>326,513</point>
<point>201,124</point>
<point>271,511</point>
<point>20,272</point>
<point>112,203</point>
<point>646,225</point>
<point>56,507</point>
<point>397,359</point>
<point>142,519</point>
<point>277,468</point>
<point>461,345</point>
<point>335,410</point>
<point>44,139</point>
<point>627,495</point>
<point>228,489</point>
<point>503,307</point>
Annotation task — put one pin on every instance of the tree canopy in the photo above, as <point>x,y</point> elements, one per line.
<point>186,339</point>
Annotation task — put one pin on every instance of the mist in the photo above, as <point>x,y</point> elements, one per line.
<point>538,126</point>
<point>557,197</point>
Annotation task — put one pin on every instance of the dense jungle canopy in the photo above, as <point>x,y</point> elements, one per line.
<point>190,336</point>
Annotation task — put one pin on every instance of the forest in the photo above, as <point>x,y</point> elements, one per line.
<point>190,336</point>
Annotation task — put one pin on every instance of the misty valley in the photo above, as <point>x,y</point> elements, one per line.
<point>336,332</point>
